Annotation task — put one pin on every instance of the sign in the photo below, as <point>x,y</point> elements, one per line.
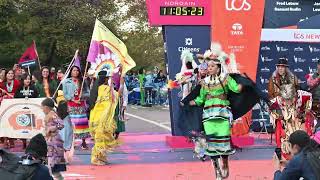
<point>293,35</point>
<point>29,57</point>
<point>177,38</point>
<point>21,118</point>
<point>285,13</point>
<point>231,28</point>
<point>179,12</point>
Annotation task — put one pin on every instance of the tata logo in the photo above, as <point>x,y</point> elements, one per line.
<point>297,59</point>
<point>314,49</point>
<point>265,59</point>
<point>265,69</point>
<point>238,5</point>
<point>265,48</point>
<point>188,41</point>
<point>237,29</point>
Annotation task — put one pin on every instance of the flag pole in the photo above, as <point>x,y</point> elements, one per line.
<point>67,72</point>
<point>29,70</point>
<point>35,48</point>
<point>84,78</point>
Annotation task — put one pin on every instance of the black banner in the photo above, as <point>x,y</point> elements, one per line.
<point>284,13</point>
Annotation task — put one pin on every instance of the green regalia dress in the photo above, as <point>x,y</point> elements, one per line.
<point>217,113</point>
<point>121,127</point>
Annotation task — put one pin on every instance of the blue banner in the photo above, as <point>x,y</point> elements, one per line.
<point>302,58</point>
<point>178,38</point>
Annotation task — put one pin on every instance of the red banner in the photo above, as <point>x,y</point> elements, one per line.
<point>236,25</point>
<point>29,56</point>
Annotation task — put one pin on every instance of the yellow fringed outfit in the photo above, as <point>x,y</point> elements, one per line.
<point>102,124</point>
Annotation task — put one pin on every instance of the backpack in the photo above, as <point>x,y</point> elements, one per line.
<point>11,167</point>
<point>313,158</point>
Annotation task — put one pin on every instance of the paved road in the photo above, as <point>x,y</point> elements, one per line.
<point>159,115</point>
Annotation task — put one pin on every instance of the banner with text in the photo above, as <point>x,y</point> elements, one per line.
<point>236,24</point>
<point>291,35</point>
<point>21,118</point>
<point>177,38</point>
<point>300,46</point>
<point>289,14</point>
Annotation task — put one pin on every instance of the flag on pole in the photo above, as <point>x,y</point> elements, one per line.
<point>77,60</point>
<point>29,57</point>
<point>105,44</point>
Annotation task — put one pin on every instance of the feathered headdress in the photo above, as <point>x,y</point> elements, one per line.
<point>187,56</point>
<point>228,62</point>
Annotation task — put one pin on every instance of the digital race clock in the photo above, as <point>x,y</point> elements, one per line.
<point>181,11</point>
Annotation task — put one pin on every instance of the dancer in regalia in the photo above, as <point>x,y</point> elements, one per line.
<point>216,113</point>
<point>190,119</point>
<point>102,124</point>
<point>291,107</point>
<point>283,91</point>
<point>119,86</point>
<point>221,95</point>
<point>186,77</point>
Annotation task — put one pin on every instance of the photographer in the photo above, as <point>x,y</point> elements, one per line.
<point>305,162</point>
<point>30,166</point>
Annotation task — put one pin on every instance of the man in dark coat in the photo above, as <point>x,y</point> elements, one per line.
<point>30,166</point>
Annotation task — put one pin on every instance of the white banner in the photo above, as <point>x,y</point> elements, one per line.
<point>21,118</point>
<point>291,35</point>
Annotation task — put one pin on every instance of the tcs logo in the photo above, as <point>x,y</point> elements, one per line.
<point>238,5</point>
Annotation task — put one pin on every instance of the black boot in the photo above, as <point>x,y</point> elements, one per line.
<point>116,135</point>
<point>225,167</point>
<point>216,168</point>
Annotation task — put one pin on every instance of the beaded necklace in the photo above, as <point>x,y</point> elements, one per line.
<point>10,87</point>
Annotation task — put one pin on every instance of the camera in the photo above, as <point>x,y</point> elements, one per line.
<point>278,153</point>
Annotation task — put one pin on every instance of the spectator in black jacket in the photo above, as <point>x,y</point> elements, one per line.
<point>26,89</point>
<point>37,149</point>
<point>305,162</point>
<point>30,166</point>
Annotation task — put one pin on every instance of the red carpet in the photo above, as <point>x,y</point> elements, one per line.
<point>240,170</point>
